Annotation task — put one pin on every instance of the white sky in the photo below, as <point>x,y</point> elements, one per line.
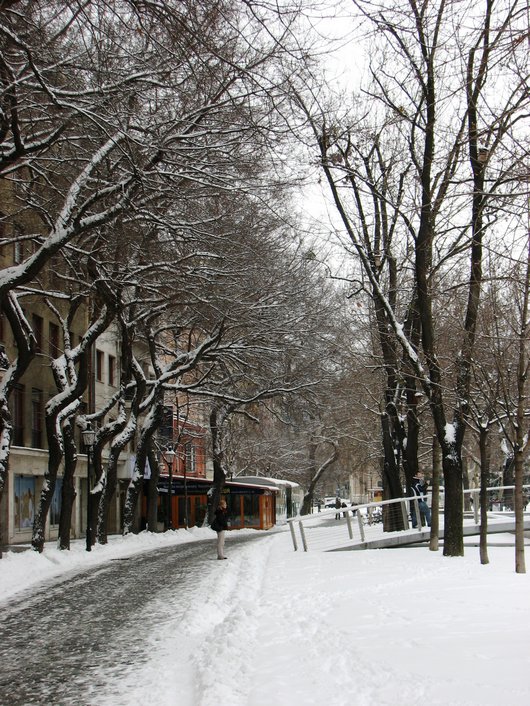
<point>271,627</point>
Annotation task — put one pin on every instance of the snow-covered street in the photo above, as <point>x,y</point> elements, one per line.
<point>268,626</point>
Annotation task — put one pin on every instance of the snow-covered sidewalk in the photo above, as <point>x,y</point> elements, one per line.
<point>393,627</point>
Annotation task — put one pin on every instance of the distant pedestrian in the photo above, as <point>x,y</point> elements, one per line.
<point>220,525</point>
<point>419,489</point>
<point>337,507</point>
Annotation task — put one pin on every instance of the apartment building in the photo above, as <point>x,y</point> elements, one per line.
<point>29,456</point>
<point>29,449</point>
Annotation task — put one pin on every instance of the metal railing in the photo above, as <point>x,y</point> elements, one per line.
<point>338,528</point>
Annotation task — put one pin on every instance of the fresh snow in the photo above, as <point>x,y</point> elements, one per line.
<point>387,627</point>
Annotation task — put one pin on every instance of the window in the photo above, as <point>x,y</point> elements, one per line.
<point>24,502</point>
<point>18,415</point>
<point>99,366</point>
<point>189,456</point>
<point>38,326</point>
<point>55,507</point>
<point>54,340</point>
<point>165,430</point>
<point>251,510</point>
<point>36,418</point>
<point>112,370</point>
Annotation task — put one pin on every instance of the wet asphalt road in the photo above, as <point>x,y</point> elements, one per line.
<point>58,638</point>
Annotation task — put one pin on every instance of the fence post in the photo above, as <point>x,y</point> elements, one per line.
<point>302,533</point>
<point>405,514</point>
<point>418,515</point>
<point>361,525</point>
<point>293,535</point>
<point>348,522</point>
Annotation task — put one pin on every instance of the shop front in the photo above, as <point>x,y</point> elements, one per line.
<point>249,506</point>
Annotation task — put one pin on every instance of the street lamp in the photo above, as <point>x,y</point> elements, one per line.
<point>185,496</point>
<point>169,453</point>
<point>89,437</point>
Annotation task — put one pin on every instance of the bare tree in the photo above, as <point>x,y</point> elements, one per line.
<point>414,103</point>
<point>71,376</point>
<point>113,112</point>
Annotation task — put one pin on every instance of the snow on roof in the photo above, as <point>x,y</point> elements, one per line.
<point>244,482</point>
<point>267,481</point>
<point>207,481</point>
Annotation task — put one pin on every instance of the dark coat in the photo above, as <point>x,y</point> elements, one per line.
<point>221,520</point>
<point>419,487</point>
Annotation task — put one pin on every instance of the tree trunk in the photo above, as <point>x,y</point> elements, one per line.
<point>150,426</point>
<point>307,502</point>
<point>135,486</point>
<point>453,503</point>
<point>522,374</point>
<point>434,542</point>
<point>392,521</point>
<point>410,457</point>
<point>6,430</point>
<point>107,493</point>
<point>152,497</point>
<point>484,476</point>
<point>316,473</point>
<point>218,416</point>
<point>68,493</point>
<point>94,477</point>
<point>410,452</point>
<point>520,566</point>
<point>55,456</point>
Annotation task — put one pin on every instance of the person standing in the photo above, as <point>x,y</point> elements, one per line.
<point>337,507</point>
<point>220,525</point>
<point>419,489</point>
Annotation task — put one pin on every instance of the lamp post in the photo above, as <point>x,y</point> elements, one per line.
<point>89,437</point>
<point>169,453</point>
<point>185,499</point>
